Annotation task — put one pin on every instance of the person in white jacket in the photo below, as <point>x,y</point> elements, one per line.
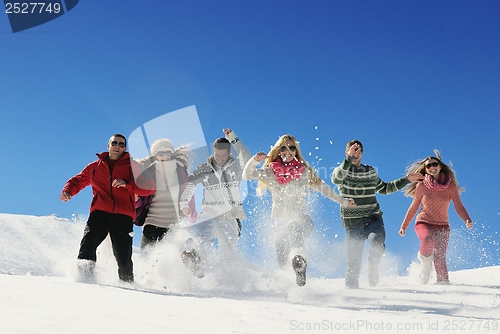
<point>221,208</point>
<point>289,177</point>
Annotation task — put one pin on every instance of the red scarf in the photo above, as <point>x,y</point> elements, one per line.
<point>287,172</point>
<point>443,184</point>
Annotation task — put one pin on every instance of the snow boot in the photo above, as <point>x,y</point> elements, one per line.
<point>373,275</point>
<point>193,262</point>
<point>299,265</point>
<point>425,267</point>
<point>352,276</point>
<point>350,284</point>
<point>126,273</point>
<point>85,271</point>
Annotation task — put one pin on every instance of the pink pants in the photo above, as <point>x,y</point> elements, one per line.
<point>434,239</point>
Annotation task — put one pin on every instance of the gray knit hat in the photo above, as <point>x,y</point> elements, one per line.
<point>162,144</point>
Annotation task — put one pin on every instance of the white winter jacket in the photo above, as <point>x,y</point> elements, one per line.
<point>289,200</point>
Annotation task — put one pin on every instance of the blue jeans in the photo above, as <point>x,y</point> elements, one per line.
<point>373,230</point>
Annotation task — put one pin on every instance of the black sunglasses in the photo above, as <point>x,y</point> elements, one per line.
<point>164,154</point>
<point>291,148</point>
<point>432,164</point>
<point>119,143</point>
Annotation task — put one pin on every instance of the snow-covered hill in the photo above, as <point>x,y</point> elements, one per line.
<point>40,295</point>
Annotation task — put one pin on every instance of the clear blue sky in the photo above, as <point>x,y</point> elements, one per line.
<point>404,77</point>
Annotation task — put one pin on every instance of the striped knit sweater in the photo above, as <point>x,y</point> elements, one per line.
<point>361,183</point>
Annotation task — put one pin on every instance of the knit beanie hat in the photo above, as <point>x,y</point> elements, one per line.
<point>162,144</point>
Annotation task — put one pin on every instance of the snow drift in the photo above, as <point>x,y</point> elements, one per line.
<point>39,293</point>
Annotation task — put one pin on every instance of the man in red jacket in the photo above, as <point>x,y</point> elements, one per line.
<point>115,179</point>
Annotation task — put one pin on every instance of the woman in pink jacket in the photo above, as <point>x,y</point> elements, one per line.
<point>434,194</point>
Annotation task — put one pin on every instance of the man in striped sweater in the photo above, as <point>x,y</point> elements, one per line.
<point>363,221</point>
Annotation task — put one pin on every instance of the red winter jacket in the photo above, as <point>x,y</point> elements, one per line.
<point>105,197</point>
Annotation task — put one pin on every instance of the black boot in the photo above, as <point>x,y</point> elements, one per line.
<point>126,273</point>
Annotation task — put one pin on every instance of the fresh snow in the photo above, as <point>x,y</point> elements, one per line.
<point>41,294</point>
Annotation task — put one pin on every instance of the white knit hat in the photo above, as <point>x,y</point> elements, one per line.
<point>162,144</point>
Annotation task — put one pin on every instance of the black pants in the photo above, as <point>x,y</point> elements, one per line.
<point>152,234</point>
<point>120,229</point>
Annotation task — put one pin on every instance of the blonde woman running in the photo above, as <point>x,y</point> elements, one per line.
<point>289,177</point>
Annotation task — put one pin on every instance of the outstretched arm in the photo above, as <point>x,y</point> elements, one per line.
<point>242,151</point>
<point>193,180</point>
<point>76,184</point>
<point>386,188</point>
<point>412,210</point>
<point>186,196</point>
<point>329,192</point>
<point>460,209</point>
<point>250,172</point>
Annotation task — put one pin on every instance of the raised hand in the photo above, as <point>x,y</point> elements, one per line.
<point>354,150</point>
<point>261,156</point>
<point>414,177</point>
